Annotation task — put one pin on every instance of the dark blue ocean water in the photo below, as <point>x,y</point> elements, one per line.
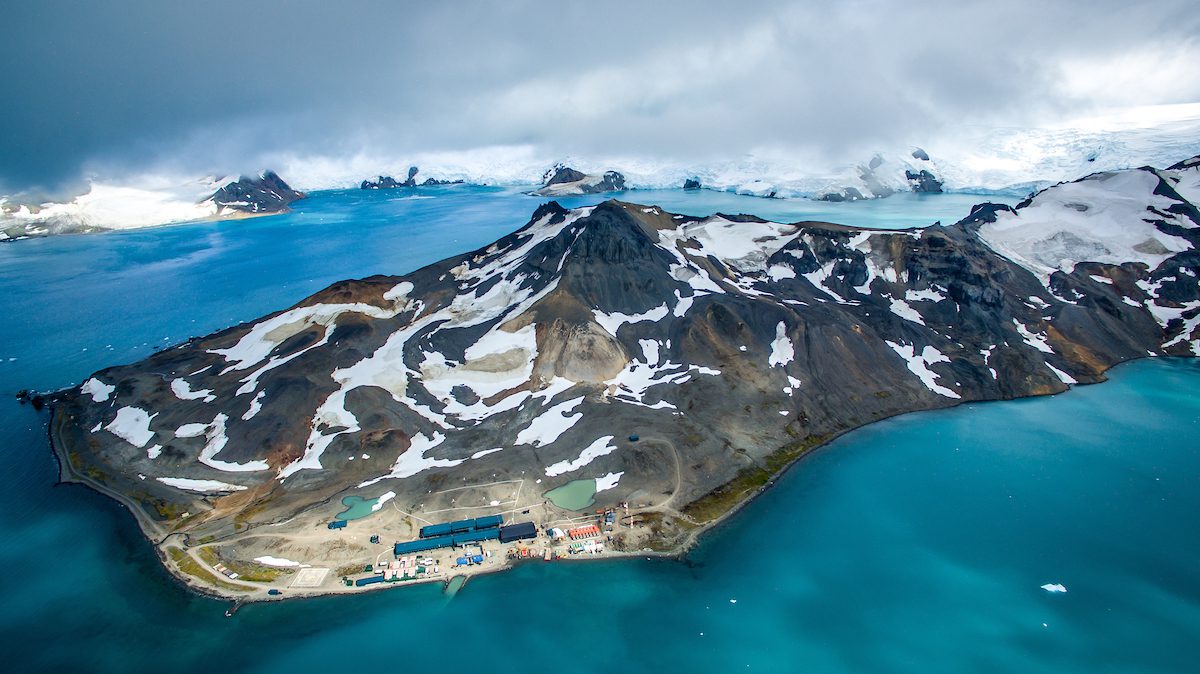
<point>914,545</point>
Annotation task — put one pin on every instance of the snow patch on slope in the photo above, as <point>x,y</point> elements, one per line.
<point>99,391</point>
<point>782,350</point>
<point>918,364</point>
<point>183,391</point>
<point>600,447</point>
<point>132,424</point>
<point>1098,219</point>
<point>203,486</point>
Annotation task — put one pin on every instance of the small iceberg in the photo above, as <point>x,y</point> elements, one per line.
<point>1054,587</point>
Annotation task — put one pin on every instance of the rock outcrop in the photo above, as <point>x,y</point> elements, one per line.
<point>563,180</point>
<point>691,184</point>
<point>880,178</point>
<point>388,182</point>
<point>923,181</point>
<point>267,193</point>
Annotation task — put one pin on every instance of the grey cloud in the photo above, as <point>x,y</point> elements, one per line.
<point>222,86</point>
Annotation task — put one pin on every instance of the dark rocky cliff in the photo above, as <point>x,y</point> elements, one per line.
<point>266,193</point>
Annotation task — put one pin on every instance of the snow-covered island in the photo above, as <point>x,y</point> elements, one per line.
<point>666,366</point>
<point>108,207</point>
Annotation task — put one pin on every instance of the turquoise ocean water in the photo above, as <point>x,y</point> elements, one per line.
<point>914,545</point>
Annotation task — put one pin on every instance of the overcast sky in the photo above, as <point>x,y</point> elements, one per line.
<point>104,88</point>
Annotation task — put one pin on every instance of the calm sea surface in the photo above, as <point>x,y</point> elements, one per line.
<point>918,544</point>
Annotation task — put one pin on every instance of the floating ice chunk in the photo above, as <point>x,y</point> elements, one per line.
<point>782,349</point>
<point>132,424</point>
<point>1054,587</point>
<point>204,486</point>
<point>919,364</point>
<point>590,453</point>
<point>608,481</point>
<point>97,389</point>
<point>183,390</point>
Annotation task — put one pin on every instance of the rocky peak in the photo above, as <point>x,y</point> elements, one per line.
<point>388,182</point>
<point>561,173</point>
<point>562,180</point>
<point>267,193</point>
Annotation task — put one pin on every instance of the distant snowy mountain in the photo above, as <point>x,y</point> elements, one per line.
<point>112,207</point>
<point>1012,161</point>
<point>561,180</point>
<point>263,194</point>
<point>880,178</point>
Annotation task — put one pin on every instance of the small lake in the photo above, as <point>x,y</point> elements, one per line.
<point>357,507</point>
<point>574,495</point>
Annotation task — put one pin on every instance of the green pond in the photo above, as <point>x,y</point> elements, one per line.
<point>574,495</point>
<point>356,507</point>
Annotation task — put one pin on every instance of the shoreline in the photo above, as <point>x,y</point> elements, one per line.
<point>677,552</point>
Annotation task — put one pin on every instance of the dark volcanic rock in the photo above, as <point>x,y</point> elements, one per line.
<point>691,184</point>
<point>388,182</point>
<point>562,174</point>
<point>611,181</point>
<point>923,181</point>
<point>267,193</point>
<point>382,183</point>
<point>562,180</point>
